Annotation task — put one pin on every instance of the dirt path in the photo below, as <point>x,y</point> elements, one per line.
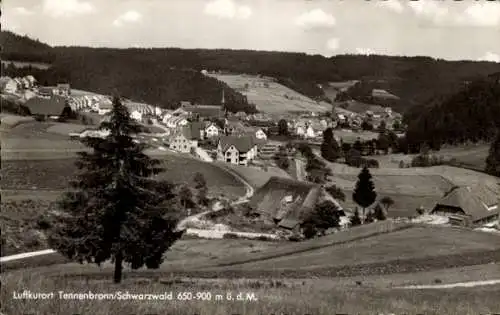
<point>468,284</point>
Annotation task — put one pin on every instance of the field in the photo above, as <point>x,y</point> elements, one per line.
<point>56,174</point>
<point>265,297</point>
<point>273,99</point>
<point>358,271</point>
<point>254,176</point>
<point>468,156</point>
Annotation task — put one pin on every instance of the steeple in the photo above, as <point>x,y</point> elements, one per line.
<point>223,102</point>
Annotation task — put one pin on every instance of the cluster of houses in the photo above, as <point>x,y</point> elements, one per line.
<point>10,85</point>
<point>235,141</point>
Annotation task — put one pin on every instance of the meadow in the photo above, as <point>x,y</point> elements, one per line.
<point>55,174</point>
<point>275,98</point>
<point>259,297</point>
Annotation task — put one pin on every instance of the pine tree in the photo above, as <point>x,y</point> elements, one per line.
<point>355,219</point>
<point>364,193</point>
<point>378,213</point>
<point>330,149</point>
<point>493,159</point>
<point>115,209</point>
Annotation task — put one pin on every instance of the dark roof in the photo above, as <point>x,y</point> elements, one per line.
<point>269,199</point>
<point>46,106</point>
<point>241,143</point>
<point>192,131</point>
<point>470,203</point>
<point>205,110</point>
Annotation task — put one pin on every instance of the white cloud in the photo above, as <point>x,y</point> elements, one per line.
<point>227,9</point>
<point>67,8</point>
<point>481,14</point>
<point>430,9</point>
<point>316,18</point>
<point>365,51</point>
<point>332,44</point>
<point>490,56</point>
<point>23,11</point>
<point>393,5</point>
<point>128,17</point>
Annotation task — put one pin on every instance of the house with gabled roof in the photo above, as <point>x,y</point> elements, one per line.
<point>186,137</point>
<point>469,207</point>
<point>212,130</point>
<point>8,85</point>
<point>45,107</point>
<point>236,149</point>
<point>287,202</point>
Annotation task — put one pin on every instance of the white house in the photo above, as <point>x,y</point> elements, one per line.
<point>212,131</point>
<point>176,121</point>
<point>158,111</point>
<point>136,115</point>
<point>236,149</point>
<point>260,134</point>
<point>31,79</point>
<point>309,132</point>
<point>104,107</point>
<point>8,85</point>
<point>166,118</point>
<point>300,130</point>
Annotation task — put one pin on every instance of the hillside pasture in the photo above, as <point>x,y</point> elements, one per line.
<point>404,245</point>
<point>275,98</point>
<point>468,156</point>
<point>417,185</point>
<point>56,174</point>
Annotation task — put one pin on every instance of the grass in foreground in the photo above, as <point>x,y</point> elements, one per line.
<point>272,297</point>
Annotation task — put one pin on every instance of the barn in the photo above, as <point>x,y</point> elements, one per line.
<point>469,207</point>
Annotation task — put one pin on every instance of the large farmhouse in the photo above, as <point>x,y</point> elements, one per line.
<point>468,207</point>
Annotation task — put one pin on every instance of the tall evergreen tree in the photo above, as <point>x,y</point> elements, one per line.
<point>116,210</point>
<point>283,127</point>
<point>364,193</point>
<point>493,159</point>
<point>330,149</point>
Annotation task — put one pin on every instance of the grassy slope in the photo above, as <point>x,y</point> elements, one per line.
<point>271,99</point>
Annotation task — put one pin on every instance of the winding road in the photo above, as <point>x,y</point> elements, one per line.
<point>180,226</point>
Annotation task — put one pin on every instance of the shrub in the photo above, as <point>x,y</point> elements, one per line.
<point>230,236</point>
<point>264,238</point>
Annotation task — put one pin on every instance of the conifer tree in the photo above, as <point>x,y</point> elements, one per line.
<point>116,210</point>
<point>330,149</point>
<point>364,193</point>
<point>378,213</point>
<point>493,159</point>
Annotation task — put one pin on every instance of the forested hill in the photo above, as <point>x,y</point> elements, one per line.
<point>23,48</point>
<point>414,79</point>
<point>472,114</point>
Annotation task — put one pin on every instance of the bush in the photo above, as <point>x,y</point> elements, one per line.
<point>264,238</point>
<point>230,236</point>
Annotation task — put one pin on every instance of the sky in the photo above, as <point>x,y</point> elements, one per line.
<point>453,30</point>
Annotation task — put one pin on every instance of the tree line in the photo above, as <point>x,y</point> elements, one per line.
<point>414,79</point>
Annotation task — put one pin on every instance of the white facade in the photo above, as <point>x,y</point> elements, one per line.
<point>310,133</point>
<point>300,131</point>
<point>181,144</point>
<point>136,115</point>
<point>260,134</point>
<point>212,131</point>
<point>9,86</point>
